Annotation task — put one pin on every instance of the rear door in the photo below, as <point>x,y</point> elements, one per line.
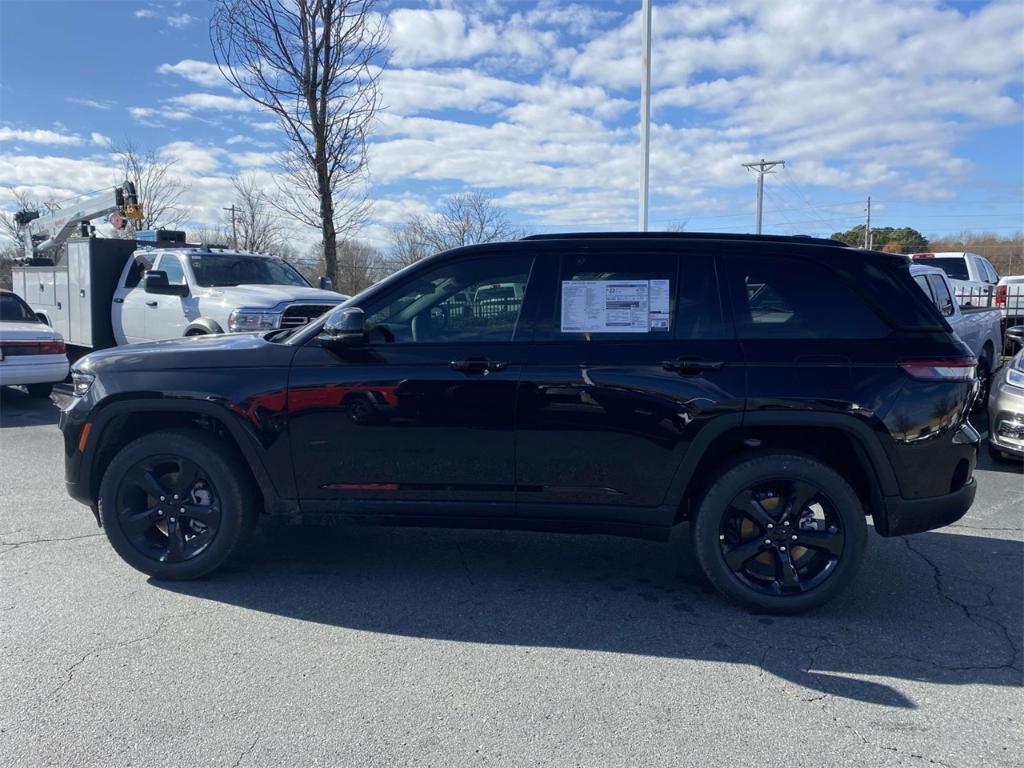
<point>630,358</point>
<point>128,311</point>
<point>810,340</point>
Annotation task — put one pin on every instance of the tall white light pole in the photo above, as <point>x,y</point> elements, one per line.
<point>645,113</point>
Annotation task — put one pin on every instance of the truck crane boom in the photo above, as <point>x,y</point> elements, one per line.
<point>60,225</point>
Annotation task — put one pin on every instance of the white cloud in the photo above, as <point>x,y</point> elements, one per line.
<point>424,36</point>
<point>39,136</point>
<point>146,13</point>
<point>213,101</point>
<point>100,139</point>
<point>203,73</point>
<point>92,103</point>
<point>175,20</point>
<point>190,158</point>
<point>179,20</point>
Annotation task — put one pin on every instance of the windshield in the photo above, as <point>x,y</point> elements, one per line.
<point>954,266</point>
<point>213,269</point>
<point>14,310</point>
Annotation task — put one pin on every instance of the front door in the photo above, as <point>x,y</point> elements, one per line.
<point>420,418</point>
<point>167,315</point>
<point>632,358</point>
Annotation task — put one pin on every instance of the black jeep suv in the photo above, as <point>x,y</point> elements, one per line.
<point>771,391</point>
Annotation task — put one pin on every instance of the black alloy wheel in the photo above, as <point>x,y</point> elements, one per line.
<point>178,503</point>
<point>782,537</point>
<point>168,508</point>
<point>780,532</point>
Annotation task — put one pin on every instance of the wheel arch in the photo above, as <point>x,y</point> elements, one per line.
<point>119,423</point>
<point>847,445</point>
<point>203,325</point>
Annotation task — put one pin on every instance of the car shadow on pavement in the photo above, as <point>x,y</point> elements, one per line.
<point>17,409</point>
<point>937,607</point>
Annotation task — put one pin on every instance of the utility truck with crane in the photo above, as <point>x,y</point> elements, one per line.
<point>101,292</point>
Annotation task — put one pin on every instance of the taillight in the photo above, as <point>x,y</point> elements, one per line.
<point>955,369</point>
<point>12,348</point>
<point>1000,295</point>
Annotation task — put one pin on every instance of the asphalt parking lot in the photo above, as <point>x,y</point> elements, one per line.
<point>377,647</point>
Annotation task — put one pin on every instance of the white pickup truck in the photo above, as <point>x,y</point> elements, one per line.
<point>972,277</point>
<point>106,292</point>
<point>979,327</point>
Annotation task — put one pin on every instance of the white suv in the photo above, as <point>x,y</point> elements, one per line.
<point>170,293</point>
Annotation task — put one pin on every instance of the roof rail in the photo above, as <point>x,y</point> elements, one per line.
<point>686,236</point>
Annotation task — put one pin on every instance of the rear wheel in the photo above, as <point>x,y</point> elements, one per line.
<point>39,390</point>
<point>780,533</point>
<point>177,504</point>
<point>984,381</point>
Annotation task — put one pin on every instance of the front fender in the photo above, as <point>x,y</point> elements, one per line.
<point>203,325</point>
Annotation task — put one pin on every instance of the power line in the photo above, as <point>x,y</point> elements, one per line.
<point>762,167</point>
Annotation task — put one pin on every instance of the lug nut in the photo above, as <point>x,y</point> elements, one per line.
<point>785,523</point>
<point>770,526</point>
<point>793,537</point>
<point>175,496</point>
<point>182,510</point>
<point>172,520</point>
<point>767,541</point>
<point>782,548</point>
<point>163,498</point>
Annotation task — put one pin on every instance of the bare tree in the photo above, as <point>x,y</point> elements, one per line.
<point>159,190</point>
<point>360,265</point>
<point>257,224</point>
<point>316,65</point>
<point>218,236</point>
<point>464,219</point>
<point>9,229</point>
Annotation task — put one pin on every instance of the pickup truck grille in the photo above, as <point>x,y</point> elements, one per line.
<point>300,314</point>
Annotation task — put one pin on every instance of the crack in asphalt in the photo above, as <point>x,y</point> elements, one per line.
<point>246,752</point>
<point>983,622</point>
<point>70,670</point>
<point>13,545</point>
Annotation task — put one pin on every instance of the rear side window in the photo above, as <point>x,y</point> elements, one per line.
<point>140,265</point>
<point>776,297</point>
<point>941,295</point>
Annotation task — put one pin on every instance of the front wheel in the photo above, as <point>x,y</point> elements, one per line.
<point>780,533</point>
<point>40,391</point>
<point>177,504</point>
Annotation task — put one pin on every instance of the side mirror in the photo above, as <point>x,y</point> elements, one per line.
<point>156,282</point>
<point>1015,333</point>
<point>344,327</point>
<point>326,283</point>
<point>42,318</point>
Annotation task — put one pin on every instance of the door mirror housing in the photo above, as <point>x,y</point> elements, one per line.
<point>326,283</point>
<point>346,327</point>
<point>156,282</point>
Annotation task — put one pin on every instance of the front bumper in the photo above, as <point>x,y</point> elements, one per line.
<point>1006,417</point>
<point>904,516</point>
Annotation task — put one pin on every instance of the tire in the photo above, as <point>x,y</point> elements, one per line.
<point>39,390</point>
<point>985,380</point>
<point>138,510</point>
<point>830,515</point>
<point>997,455</point>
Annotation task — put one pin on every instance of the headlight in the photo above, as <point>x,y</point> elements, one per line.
<point>81,382</point>
<point>253,320</point>
<point>1015,378</point>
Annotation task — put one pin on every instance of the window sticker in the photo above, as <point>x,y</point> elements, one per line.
<point>615,306</point>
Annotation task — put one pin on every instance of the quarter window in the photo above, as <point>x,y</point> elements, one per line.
<point>464,301</point>
<point>941,293</point>
<point>789,298</point>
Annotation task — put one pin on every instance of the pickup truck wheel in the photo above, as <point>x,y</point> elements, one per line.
<point>780,533</point>
<point>39,390</point>
<point>177,504</point>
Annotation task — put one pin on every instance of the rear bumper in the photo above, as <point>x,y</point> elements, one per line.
<point>905,516</point>
<point>46,369</point>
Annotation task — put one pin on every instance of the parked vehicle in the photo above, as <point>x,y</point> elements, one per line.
<point>31,353</point>
<point>771,391</point>
<point>106,292</point>
<point>972,276</point>
<point>1006,405</point>
<point>1009,298</point>
<point>979,327</point>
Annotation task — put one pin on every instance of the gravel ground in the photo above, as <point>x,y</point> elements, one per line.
<point>414,647</point>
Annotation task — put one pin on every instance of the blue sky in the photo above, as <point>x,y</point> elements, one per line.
<point>916,103</point>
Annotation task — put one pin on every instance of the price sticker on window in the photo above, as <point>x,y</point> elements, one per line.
<point>615,306</point>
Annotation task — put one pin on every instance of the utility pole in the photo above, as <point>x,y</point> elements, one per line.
<point>234,233</point>
<point>867,227</point>
<point>645,112</point>
<point>762,167</point>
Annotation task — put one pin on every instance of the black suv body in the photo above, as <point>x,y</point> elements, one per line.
<point>772,391</point>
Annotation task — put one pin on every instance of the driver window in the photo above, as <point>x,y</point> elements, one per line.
<point>141,263</point>
<point>172,266</point>
<point>465,301</point>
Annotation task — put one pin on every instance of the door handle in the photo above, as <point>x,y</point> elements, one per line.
<point>691,365</point>
<point>478,365</point>
<point>119,301</point>
<point>150,303</point>
<point>81,292</point>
